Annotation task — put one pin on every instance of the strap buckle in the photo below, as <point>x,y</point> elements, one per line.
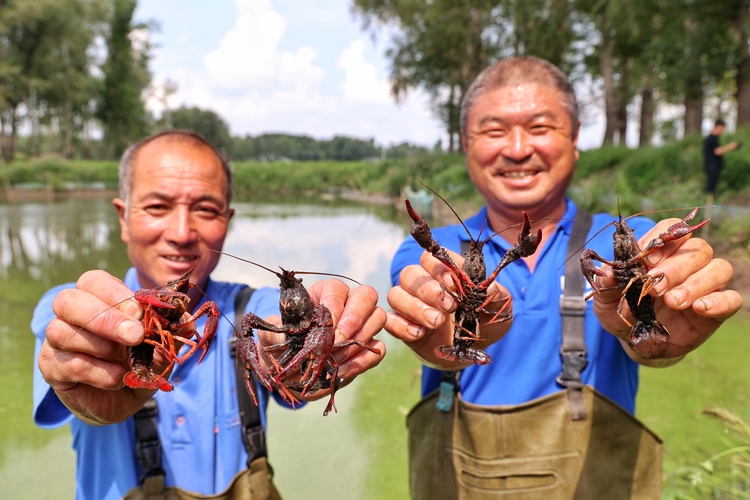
<point>572,305</point>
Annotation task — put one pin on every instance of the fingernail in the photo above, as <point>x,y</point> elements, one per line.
<point>129,331</point>
<point>660,288</point>
<point>446,302</point>
<point>432,316</point>
<point>708,303</point>
<point>340,335</point>
<point>343,370</point>
<point>414,330</point>
<point>134,310</point>
<point>654,257</point>
<point>448,279</point>
<point>679,295</point>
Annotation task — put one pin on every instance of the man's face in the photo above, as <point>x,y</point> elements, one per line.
<point>521,149</point>
<point>719,129</point>
<point>177,207</point>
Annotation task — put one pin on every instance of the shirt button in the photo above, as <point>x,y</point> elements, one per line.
<point>180,420</point>
<point>176,381</point>
<point>523,291</point>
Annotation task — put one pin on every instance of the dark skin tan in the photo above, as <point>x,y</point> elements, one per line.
<point>520,145</point>
<point>177,210</point>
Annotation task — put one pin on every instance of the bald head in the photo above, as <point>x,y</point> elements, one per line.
<point>168,137</point>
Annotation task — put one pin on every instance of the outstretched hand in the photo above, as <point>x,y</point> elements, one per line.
<point>690,301</point>
<point>85,355</point>
<point>423,316</point>
<point>356,316</point>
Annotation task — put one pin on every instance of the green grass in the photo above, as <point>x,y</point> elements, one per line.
<point>670,401</point>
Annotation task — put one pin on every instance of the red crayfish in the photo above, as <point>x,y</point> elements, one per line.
<point>631,274</point>
<point>162,325</point>
<point>310,340</point>
<point>471,282</point>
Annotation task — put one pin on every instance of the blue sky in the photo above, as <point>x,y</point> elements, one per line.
<point>304,67</point>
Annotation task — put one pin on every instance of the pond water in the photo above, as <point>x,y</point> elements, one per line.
<point>345,455</point>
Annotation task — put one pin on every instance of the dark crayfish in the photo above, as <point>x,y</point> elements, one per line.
<point>310,340</point>
<point>162,325</point>
<point>631,274</point>
<point>471,282</point>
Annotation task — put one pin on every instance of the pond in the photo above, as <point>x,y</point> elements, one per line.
<point>360,452</point>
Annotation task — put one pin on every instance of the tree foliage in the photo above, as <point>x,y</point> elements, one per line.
<point>63,64</point>
<point>205,122</point>
<point>694,53</point>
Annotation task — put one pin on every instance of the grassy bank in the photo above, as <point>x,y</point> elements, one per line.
<point>670,175</point>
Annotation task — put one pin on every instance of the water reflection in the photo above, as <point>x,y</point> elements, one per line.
<point>42,245</point>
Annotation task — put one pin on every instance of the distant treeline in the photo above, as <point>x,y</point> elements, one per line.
<point>272,147</point>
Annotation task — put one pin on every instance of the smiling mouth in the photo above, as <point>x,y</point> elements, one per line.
<point>518,174</point>
<point>181,258</point>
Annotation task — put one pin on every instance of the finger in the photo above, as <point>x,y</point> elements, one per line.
<point>360,305</point>
<point>414,309</point>
<point>333,294</point>
<point>658,254</point>
<point>373,325</point>
<point>707,279</point>
<point>439,270</point>
<point>62,370</point>
<point>65,337</point>
<point>402,328</point>
<point>693,255</point>
<point>362,361</point>
<point>718,305</point>
<point>90,306</point>
<point>424,286</point>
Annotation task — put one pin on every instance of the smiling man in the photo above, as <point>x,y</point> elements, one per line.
<point>174,207</point>
<point>551,416</point>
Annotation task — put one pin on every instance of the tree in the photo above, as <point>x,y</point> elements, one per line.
<point>121,109</point>
<point>205,122</point>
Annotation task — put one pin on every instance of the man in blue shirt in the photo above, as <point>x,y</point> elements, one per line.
<point>174,205</point>
<point>519,128</point>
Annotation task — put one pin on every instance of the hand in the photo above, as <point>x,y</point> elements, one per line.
<point>355,316</point>
<point>85,356</point>
<point>423,316</point>
<point>689,302</point>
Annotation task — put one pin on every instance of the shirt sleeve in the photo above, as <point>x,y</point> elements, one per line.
<point>48,410</point>
<point>408,254</point>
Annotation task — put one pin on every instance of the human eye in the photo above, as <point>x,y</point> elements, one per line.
<point>208,210</point>
<point>156,208</point>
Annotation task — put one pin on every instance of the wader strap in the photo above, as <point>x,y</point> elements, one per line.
<point>572,309</point>
<point>148,451</point>
<point>148,447</point>
<point>252,431</point>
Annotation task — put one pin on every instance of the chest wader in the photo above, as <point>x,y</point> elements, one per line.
<point>253,483</point>
<point>573,444</point>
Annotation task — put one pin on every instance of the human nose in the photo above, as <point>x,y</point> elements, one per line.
<point>518,148</point>
<point>181,229</point>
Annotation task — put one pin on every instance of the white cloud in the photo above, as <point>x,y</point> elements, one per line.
<point>361,83</point>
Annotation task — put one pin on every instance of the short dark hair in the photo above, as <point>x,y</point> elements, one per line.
<point>517,70</point>
<point>720,122</point>
<point>126,162</point>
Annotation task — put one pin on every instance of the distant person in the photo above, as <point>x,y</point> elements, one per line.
<point>174,205</point>
<point>713,157</point>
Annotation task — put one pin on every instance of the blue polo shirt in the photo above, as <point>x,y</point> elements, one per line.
<point>198,422</point>
<point>526,361</point>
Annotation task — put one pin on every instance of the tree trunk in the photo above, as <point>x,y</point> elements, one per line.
<point>693,106</point>
<point>623,88</point>
<point>647,110</point>
<point>742,80</point>
<point>610,106</point>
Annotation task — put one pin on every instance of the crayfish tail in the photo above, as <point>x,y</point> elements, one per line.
<point>446,352</point>
<point>152,381</point>
<point>652,330</point>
